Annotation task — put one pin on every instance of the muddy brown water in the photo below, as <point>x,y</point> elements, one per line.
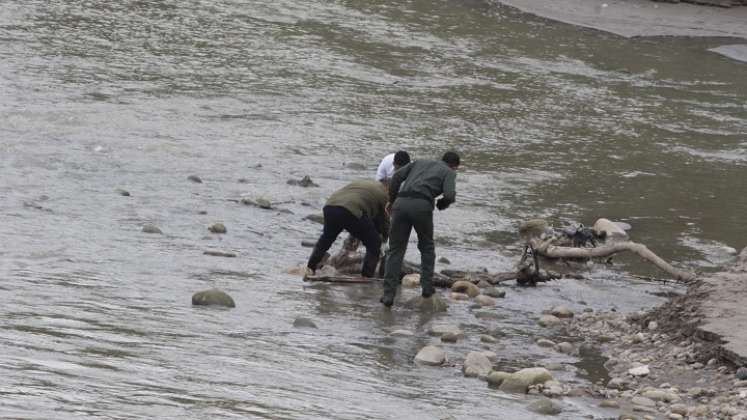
<point>551,120</point>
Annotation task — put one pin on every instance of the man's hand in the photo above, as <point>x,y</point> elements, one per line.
<point>441,204</point>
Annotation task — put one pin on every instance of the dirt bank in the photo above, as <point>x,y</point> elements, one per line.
<point>640,18</point>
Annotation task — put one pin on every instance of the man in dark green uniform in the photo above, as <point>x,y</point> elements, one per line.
<point>412,192</point>
<point>358,208</point>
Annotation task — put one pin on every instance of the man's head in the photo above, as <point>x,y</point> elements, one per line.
<point>451,159</point>
<point>401,159</point>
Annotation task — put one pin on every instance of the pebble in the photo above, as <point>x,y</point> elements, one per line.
<point>564,347</point>
<point>444,260</point>
<point>674,416</point>
<point>483,300</point>
<point>549,320</point>
<point>217,228</point>
<point>402,333</point>
<point>458,296</point>
<point>543,342</point>
<point>653,325</point>
<point>639,371</point>
<point>562,312</point>
<point>488,339</point>
<point>545,406</point>
<point>495,293</point>
<point>220,254</point>
<point>214,297</point>
<point>149,228</point>
<point>450,337</point>
<point>609,404</point>
<point>742,374</point>
<point>301,322</point>
<point>431,355</point>
<point>195,178</point>
<point>123,193</point>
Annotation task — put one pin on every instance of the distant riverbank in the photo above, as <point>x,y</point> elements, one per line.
<point>644,18</point>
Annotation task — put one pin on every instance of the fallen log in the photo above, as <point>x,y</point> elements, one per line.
<point>547,249</point>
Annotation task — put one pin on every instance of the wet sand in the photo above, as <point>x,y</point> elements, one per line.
<point>641,18</point>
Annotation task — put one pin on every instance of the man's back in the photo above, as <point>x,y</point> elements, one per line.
<point>360,197</point>
<point>425,179</point>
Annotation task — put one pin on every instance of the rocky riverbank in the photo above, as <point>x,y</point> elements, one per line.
<point>684,359</point>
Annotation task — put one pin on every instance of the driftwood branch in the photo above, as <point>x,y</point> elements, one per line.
<point>547,249</point>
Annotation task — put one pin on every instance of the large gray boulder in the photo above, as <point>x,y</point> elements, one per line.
<point>611,229</point>
<point>519,382</point>
<point>213,297</point>
<point>431,356</point>
<point>433,304</point>
<point>476,364</point>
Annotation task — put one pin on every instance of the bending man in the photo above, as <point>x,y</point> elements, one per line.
<point>413,208</point>
<point>358,208</point>
<point>391,163</point>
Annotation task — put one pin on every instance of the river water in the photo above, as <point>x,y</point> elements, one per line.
<point>551,120</point>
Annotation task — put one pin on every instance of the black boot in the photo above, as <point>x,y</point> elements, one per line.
<point>387,300</point>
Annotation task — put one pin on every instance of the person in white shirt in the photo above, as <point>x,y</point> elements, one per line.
<point>391,163</point>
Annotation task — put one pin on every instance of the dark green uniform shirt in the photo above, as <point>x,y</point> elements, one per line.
<point>361,197</point>
<point>426,179</point>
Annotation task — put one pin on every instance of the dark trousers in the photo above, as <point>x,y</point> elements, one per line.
<point>409,213</point>
<point>337,219</point>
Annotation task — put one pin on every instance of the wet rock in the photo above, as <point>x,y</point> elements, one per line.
<point>520,381</point>
<point>674,416</point>
<point>742,374</point>
<point>609,404</point>
<point>495,292</point>
<point>612,230</point>
<point>543,342</point>
<point>458,296</point>
<point>680,409</point>
<point>305,182</point>
<point>431,356</point>
<point>659,395</point>
<point>484,338</point>
<point>356,166</point>
<point>562,312</point>
<point>545,406</point>
<point>411,280</point>
<point>496,378</point>
<point>483,300</point>
<point>220,254</point>
<point>302,322</point>
<point>123,193</point>
<point>653,325</point>
<point>466,287</point>
<point>490,355</point>
<point>202,212</point>
<point>195,178</point>
<point>639,371</point>
<point>217,228</point>
<point>262,203</point>
<point>549,321</point>
<point>433,304</point>
<point>476,364</point>
<point>402,333</point>
<point>149,228</point>
<point>483,284</point>
<point>308,244</point>
<point>441,329</point>
<point>627,416</point>
<point>699,411</point>
<point>564,347</point>
<point>444,260</point>
<point>643,402</point>
<point>214,297</point>
<point>316,218</point>
<point>242,181</point>
<point>619,384</point>
<point>449,337</point>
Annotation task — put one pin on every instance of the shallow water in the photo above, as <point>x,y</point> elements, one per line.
<point>551,120</point>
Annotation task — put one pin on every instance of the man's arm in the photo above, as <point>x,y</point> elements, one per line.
<point>397,179</point>
<point>449,191</point>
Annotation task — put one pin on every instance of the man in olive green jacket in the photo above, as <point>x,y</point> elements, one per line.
<point>412,192</point>
<point>358,208</point>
